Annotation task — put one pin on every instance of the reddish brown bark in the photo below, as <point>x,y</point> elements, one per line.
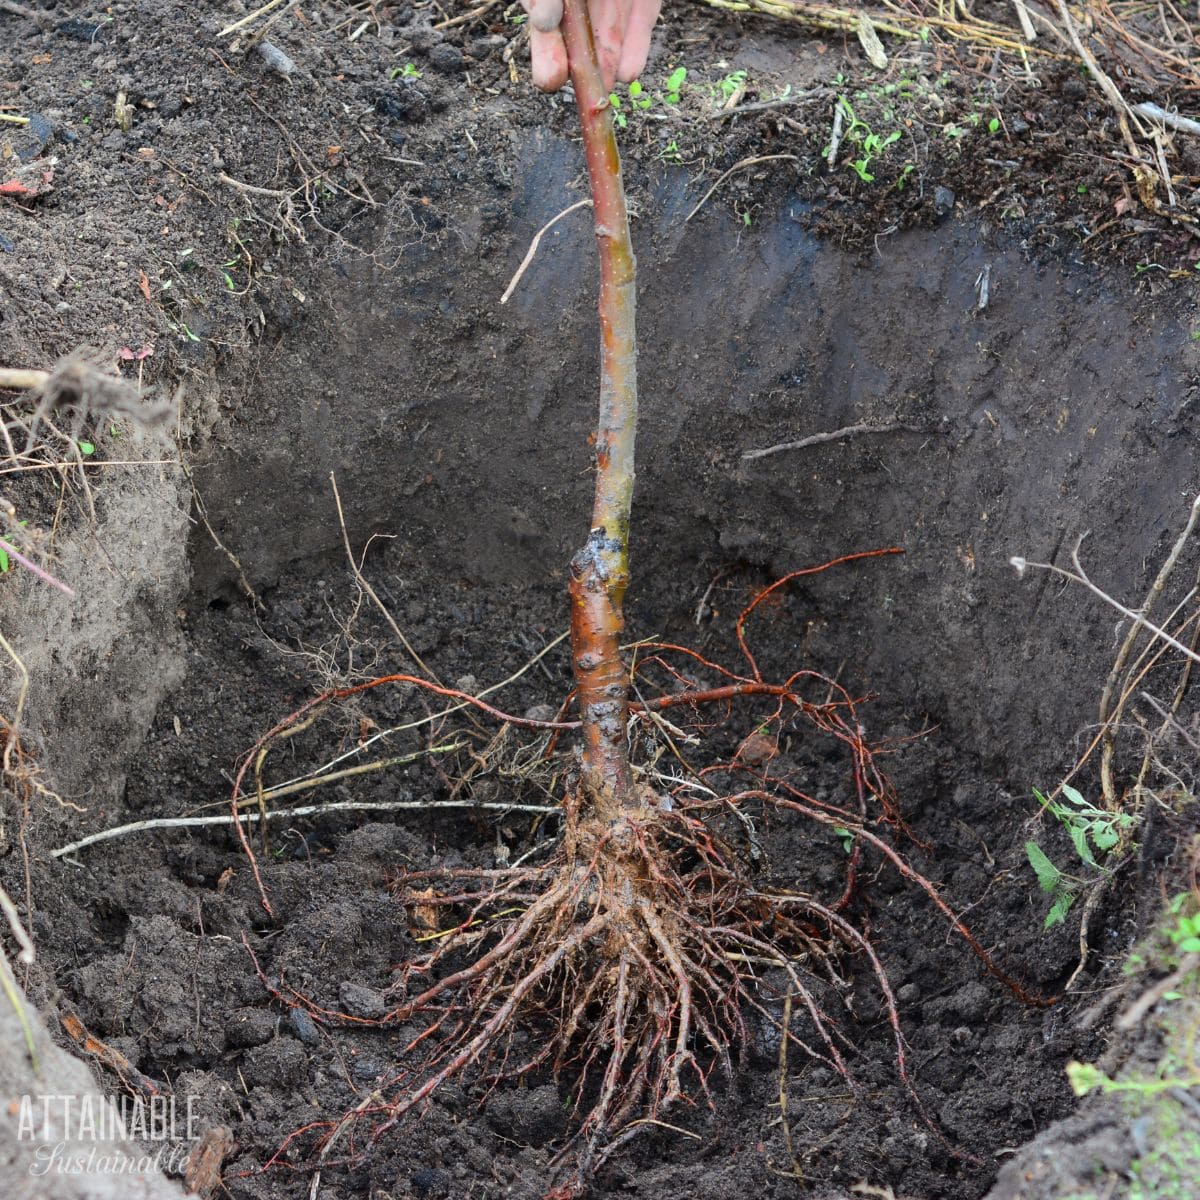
<point>600,570</point>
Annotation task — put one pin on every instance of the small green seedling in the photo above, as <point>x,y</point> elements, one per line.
<point>1085,1077</point>
<point>1092,831</point>
<point>671,152</point>
<point>870,144</point>
<point>639,100</point>
<point>1088,825</point>
<point>845,836</point>
<point>728,87</point>
<point>86,448</point>
<point>1052,881</point>
<point>994,125</point>
<point>1185,936</point>
<point>408,71</point>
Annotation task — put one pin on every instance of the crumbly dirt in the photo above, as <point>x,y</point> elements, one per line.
<point>349,323</point>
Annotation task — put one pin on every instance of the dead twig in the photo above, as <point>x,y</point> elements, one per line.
<point>835,435</point>
<point>533,246</point>
<point>738,166</point>
<point>467,17</point>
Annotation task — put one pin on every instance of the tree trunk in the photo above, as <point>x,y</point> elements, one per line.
<point>600,570</point>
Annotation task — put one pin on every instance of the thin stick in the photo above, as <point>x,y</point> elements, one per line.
<point>14,725</point>
<point>767,105</point>
<point>44,576</point>
<point>9,986</point>
<point>746,162</point>
<point>1156,590</point>
<point>533,247</point>
<point>19,379</point>
<point>836,435</point>
<point>254,190</point>
<point>467,16</point>
<point>258,12</point>
<point>23,939</point>
<point>362,582</point>
<point>104,462</point>
<point>310,810</point>
<point>1172,120</point>
<point>1026,24</point>
<point>1079,576</point>
<point>20,10</point>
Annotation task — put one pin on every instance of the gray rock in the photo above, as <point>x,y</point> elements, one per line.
<point>360,1001</point>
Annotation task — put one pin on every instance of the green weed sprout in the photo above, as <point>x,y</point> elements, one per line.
<point>1088,827</point>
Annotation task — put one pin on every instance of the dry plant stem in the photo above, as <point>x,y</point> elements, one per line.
<point>311,810</point>
<point>833,435</point>
<point>12,734</point>
<point>1156,590</point>
<point>600,570</point>
<point>19,379</point>
<point>363,583</point>
<point>738,166</point>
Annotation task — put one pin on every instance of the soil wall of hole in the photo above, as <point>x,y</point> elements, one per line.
<point>457,427</point>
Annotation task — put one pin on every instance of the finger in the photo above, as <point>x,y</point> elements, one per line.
<point>638,31</point>
<point>609,18</point>
<point>548,57</point>
<point>544,15</point>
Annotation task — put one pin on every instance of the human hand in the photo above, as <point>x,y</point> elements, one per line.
<point>622,29</point>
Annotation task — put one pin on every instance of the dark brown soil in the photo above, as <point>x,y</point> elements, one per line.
<point>355,328</point>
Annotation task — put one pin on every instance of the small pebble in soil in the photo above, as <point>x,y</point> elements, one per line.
<point>943,201</point>
<point>249,1027</point>
<point>360,1001</point>
<point>304,1027</point>
<point>971,1002</point>
<point>428,1182</point>
<point>446,58</point>
<point>422,38</point>
<point>909,994</point>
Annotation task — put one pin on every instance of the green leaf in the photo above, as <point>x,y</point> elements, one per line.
<point>1084,1077</point>
<point>86,448</point>
<point>675,81</point>
<point>1104,835</point>
<point>1190,945</point>
<point>1079,837</point>
<point>1048,875</point>
<point>994,125</point>
<point>5,565</point>
<point>635,90</point>
<point>1058,910</point>
<point>1074,796</point>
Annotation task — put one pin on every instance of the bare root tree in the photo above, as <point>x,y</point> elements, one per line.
<point>635,954</point>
